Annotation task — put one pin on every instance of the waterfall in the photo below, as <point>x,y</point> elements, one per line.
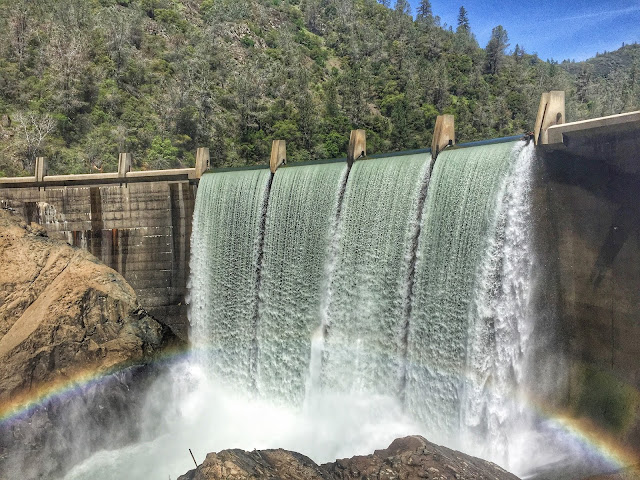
<point>500,324</point>
<point>365,311</point>
<point>224,265</point>
<point>457,218</point>
<point>297,236</point>
<point>381,280</point>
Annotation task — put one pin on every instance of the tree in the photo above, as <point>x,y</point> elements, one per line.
<point>463,21</point>
<point>495,49</point>
<point>425,13</point>
<point>34,128</point>
<point>518,52</point>
<point>162,154</point>
<point>18,29</point>
<point>402,7</point>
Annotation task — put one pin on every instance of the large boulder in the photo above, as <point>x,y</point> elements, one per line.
<point>63,312</point>
<point>406,458</point>
<point>68,323</point>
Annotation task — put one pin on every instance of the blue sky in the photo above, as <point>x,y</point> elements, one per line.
<point>553,29</point>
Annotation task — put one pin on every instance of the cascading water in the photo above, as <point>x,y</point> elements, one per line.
<point>457,218</point>
<point>225,239</point>
<point>365,308</point>
<point>302,207</point>
<point>339,296</point>
<point>500,324</point>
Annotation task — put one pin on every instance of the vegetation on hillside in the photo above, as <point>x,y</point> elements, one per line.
<point>82,80</point>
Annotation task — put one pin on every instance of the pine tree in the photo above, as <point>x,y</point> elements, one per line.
<point>495,49</point>
<point>518,52</point>
<point>463,21</point>
<point>425,13</point>
<point>403,7</point>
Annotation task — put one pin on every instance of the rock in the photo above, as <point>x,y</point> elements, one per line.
<point>63,312</point>
<point>406,458</point>
<point>415,457</point>
<point>37,230</point>
<point>238,464</point>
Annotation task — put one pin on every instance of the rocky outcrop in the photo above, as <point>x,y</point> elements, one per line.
<point>63,312</point>
<point>406,458</point>
<point>66,318</point>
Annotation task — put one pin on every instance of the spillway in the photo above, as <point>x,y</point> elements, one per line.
<point>385,279</point>
<point>501,323</point>
<point>225,272</point>
<point>336,258</point>
<point>367,300</point>
<point>459,212</point>
<point>301,214</point>
<point>334,308</point>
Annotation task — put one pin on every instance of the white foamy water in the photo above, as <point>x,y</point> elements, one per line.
<point>500,324</point>
<point>188,410</point>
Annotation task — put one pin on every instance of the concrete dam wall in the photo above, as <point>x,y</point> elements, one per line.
<point>589,230</point>
<point>139,226</point>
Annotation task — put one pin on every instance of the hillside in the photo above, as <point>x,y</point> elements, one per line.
<point>609,82</point>
<point>81,80</point>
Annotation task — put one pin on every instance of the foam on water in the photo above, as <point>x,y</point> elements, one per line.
<point>197,412</point>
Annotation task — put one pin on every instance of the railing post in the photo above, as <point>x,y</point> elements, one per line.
<point>41,169</point>
<point>357,146</point>
<point>124,164</point>
<point>203,161</point>
<point>444,135</point>
<point>278,154</point>
<point>551,112</point>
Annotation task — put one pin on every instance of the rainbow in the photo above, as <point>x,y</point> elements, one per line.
<point>584,431</point>
<point>587,433</point>
<point>24,404</point>
<point>599,441</point>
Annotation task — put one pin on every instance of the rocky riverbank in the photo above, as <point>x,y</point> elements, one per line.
<point>408,458</point>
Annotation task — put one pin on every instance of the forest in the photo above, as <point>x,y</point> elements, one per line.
<point>82,80</point>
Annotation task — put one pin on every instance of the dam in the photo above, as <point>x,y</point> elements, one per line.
<point>138,223</point>
<point>445,282</point>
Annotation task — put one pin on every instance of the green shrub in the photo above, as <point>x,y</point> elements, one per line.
<point>248,41</point>
<point>162,154</point>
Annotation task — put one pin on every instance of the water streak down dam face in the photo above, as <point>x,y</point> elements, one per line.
<point>368,281</point>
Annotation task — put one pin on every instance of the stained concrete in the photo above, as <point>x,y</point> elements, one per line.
<point>588,228</point>
<point>142,230</point>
